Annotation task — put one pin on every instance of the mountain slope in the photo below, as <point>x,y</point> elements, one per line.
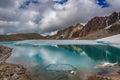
<point>111,30</point>
<point>67,33</point>
<point>16,37</point>
<point>99,23</point>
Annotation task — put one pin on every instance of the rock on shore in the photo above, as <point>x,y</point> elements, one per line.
<point>9,71</point>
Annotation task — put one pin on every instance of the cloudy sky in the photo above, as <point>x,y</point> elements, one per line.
<point>27,16</point>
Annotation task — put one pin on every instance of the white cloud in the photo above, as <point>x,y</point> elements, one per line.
<point>9,23</point>
<point>73,12</point>
<point>7,27</point>
<point>115,5</point>
<point>6,3</point>
<point>1,31</point>
<point>48,58</point>
<point>47,16</point>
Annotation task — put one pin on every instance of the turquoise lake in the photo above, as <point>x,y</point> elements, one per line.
<point>36,55</point>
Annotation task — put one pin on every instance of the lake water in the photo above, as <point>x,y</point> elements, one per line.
<point>41,57</point>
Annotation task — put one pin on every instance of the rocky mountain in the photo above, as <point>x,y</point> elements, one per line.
<point>16,37</point>
<point>98,24</point>
<point>67,33</point>
<point>97,27</point>
<point>105,32</point>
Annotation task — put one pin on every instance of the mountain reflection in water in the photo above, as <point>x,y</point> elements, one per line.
<point>96,52</point>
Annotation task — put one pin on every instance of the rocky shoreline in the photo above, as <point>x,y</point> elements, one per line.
<point>10,71</point>
<point>112,73</point>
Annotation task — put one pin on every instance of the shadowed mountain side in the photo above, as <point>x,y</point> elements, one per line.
<point>98,23</point>
<point>108,31</point>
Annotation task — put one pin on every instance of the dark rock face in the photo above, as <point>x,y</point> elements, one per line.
<point>115,28</point>
<point>119,15</point>
<point>77,34</point>
<point>113,18</point>
<point>93,25</point>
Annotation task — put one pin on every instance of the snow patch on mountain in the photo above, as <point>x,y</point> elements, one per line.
<point>112,39</point>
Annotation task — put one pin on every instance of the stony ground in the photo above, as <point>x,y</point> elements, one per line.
<point>9,71</point>
<point>12,72</point>
<point>114,74</point>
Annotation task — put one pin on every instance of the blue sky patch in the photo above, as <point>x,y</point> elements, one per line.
<point>61,1</point>
<point>103,3</point>
<point>37,20</point>
<point>27,3</point>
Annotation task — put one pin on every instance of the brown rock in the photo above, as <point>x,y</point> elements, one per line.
<point>67,33</point>
<point>98,23</point>
<point>5,52</point>
<point>93,25</point>
<point>113,18</point>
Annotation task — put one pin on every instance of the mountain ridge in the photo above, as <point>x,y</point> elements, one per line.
<point>23,36</point>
